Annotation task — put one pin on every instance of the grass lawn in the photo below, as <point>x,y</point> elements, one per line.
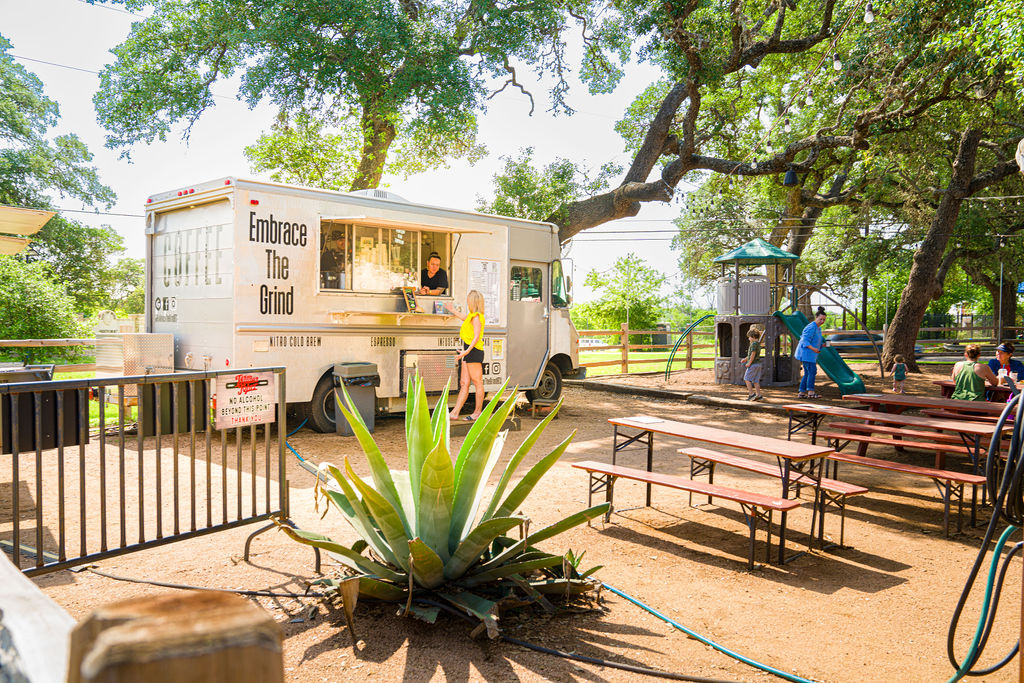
<point>656,362</point>
<point>110,408</point>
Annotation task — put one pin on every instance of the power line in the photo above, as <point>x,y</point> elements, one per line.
<point>91,213</point>
<point>112,9</point>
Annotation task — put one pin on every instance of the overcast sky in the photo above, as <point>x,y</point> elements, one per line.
<point>72,33</point>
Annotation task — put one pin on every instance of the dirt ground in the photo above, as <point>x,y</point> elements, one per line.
<point>876,610</point>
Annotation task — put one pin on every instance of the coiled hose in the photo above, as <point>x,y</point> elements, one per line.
<point>1008,506</point>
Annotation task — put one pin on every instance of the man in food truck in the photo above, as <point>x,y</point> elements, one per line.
<point>433,278</point>
<point>332,261</point>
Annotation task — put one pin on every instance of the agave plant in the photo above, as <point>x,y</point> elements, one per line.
<point>424,541</point>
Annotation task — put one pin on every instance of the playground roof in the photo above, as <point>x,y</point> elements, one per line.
<point>756,252</point>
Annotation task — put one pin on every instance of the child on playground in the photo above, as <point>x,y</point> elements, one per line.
<point>752,376</point>
<point>899,373</point>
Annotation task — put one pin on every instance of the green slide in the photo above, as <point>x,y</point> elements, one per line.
<point>849,382</point>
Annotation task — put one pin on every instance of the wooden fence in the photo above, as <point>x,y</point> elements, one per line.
<point>695,341</point>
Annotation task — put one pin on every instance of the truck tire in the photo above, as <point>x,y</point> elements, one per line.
<point>320,409</point>
<point>550,386</point>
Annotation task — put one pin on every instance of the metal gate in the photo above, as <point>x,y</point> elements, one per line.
<point>79,482</point>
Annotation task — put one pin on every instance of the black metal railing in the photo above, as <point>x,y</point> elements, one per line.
<point>151,466</point>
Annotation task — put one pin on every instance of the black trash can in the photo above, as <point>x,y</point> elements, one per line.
<point>360,380</point>
<point>75,412</point>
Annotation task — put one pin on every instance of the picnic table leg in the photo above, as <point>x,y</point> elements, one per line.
<point>650,462</point>
<point>615,442</point>
<point>784,515</point>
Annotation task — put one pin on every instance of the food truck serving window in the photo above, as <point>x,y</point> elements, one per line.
<point>370,258</point>
<point>526,284</point>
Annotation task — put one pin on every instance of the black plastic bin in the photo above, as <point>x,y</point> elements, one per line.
<point>361,381</point>
<point>191,409</point>
<point>76,414</point>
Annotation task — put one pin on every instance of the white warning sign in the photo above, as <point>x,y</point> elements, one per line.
<point>245,398</point>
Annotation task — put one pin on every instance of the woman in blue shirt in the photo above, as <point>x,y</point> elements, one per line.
<point>807,351</point>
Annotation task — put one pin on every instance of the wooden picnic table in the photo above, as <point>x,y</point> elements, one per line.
<point>971,432</point>
<point>897,403</point>
<point>808,459</point>
<point>997,394</point>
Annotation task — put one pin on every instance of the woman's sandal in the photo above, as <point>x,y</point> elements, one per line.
<point>811,394</point>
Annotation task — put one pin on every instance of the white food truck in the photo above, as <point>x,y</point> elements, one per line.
<point>248,273</point>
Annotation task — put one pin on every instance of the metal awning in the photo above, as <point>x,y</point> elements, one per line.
<point>17,221</point>
<point>371,221</point>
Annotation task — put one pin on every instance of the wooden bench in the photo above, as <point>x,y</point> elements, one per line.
<point>755,506</point>
<point>833,492</point>
<point>949,415</point>
<point>950,484</point>
<point>840,439</point>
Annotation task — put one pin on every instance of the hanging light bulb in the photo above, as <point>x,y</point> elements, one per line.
<point>869,14</point>
<point>753,164</point>
<point>837,63</point>
<point>787,126</point>
<point>809,100</point>
<point>771,149</point>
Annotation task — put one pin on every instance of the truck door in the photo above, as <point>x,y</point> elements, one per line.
<point>528,319</point>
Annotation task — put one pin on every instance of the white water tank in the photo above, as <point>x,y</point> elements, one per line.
<point>755,295</point>
<point>727,295</point>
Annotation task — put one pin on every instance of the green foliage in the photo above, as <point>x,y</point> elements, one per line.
<point>629,293</point>
<point>34,307</point>
<point>523,191</point>
<point>413,71</point>
<point>126,292</point>
<point>426,537</point>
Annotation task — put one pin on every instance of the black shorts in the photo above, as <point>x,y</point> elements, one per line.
<point>475,355</point>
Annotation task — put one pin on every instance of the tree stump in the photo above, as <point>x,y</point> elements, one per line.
<point>181,636</point>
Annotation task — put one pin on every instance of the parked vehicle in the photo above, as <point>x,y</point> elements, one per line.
<point>255,274</point>
<point>858,344</point>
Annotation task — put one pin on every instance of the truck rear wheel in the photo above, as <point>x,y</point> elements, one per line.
<point>550,386</point>
<point>320,409</point>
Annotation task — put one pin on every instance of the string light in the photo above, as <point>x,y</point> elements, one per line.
<point>753,164</point>
<point>787,127</point>
<point>869,14</point>
<point>837,64</point>
<point>809,100</point>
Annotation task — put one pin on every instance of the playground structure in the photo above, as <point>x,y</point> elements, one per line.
<point>744,302</point>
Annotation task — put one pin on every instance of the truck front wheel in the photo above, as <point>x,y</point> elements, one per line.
<point>321,407</point>
<point>550,386</point>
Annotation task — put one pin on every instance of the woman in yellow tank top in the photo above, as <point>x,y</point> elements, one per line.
<point>472,355</point>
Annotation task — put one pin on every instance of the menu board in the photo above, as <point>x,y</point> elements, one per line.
<point>409,294</point>
<point>485,277</point>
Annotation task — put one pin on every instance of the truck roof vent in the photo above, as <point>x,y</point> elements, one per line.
<point>381,194</point>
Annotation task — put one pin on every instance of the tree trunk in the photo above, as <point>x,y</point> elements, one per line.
<point>378,134</point>
<point>922,284</point>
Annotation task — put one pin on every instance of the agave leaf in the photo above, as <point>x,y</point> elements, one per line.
<point>425,613</point>
<point>427,567</point>
<point>419,437</point>
<point>517,458</point>
<point>359,519</point>
<point>533,594</point>
<point>562,586</point>
<point>591,571</point>
<point>386,516</point>
<point>547,532</point>
<point>404,485</point>
<point>483,609</point>
<point>477,463</point>
<point>530,479</point>
<point>437,487</point>
<point>344,555</point>
<point>378,467</point>
<point>370,587</point>
<point>492,460</point>
<point>509,569</point>
<point>475,431</point>
<point>476,543</point>
<point>439,424</point>
<point>569,522</point>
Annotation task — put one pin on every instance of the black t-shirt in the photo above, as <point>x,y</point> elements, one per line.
<point>439,281</point>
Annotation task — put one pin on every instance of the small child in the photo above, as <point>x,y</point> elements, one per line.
<point>899,373</point>
<point>752,376</point>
